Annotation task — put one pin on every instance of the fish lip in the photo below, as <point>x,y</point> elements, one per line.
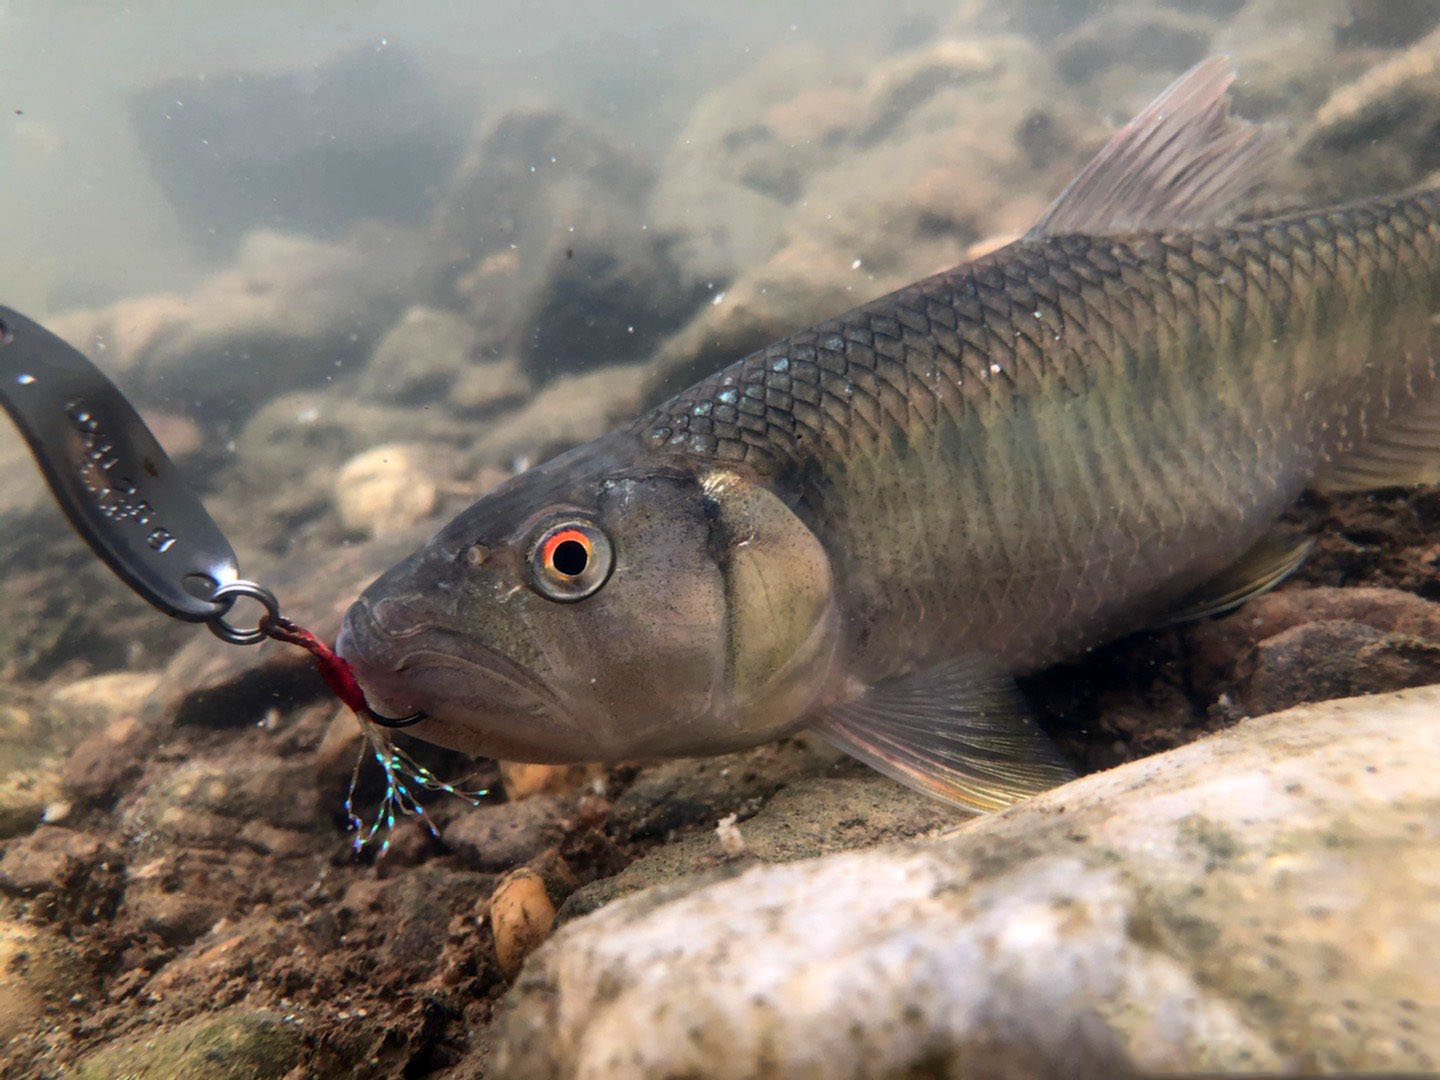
<point>381,662</point>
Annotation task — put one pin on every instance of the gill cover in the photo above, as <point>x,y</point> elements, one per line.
<point>782,626</point>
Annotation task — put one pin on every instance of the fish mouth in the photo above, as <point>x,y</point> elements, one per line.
<point>407,663</point>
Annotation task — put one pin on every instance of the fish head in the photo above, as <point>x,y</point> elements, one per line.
<point>603,607</point>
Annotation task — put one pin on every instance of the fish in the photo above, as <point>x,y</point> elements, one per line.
<point>869,529</point>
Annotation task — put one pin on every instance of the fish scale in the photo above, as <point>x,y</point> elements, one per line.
<point>1187,350</point>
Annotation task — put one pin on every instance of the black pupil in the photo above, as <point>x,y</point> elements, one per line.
<point>570,557</point>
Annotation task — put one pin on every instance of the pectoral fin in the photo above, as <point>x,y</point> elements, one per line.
<point>1258,571</point>
<point>1403,453</point>
<point>958,732</point>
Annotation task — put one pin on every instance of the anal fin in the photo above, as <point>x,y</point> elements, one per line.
<point>1403,453</point>
<point>958,732</point>
<point>1259,570</point>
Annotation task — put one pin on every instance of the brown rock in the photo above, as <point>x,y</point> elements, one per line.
<point>1333,659</point>
<point>1387,23</point>
<point>483,389</point>
<point>522,779</point>
<point>304,305</point>
<point>266,801</point>
<point>95,769</point>
<point>521,917</point>
<point>37,967</point>
<point>335,757</point>
<point>175,918</point>
<point>671,795</point>
<point>1301,645</point>
<point>417,909</point>
<point>50,858</point>
<point>501,836</point>
<point>567,412</point>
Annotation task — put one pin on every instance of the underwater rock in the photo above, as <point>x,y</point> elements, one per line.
<point>518,166</point>
<point>730,180</point>
<point>112,696</point>
<point>1115,47</point>
<point>257,798</point>
<point>50,859</point>
<point>672,795</point>
<point>1286,54</point>
<point>60,603</point>
<point>500,836</point>
<point>1260,900</point>
<point>237,1045</point>
<point>105,759</point>
<point>415,909</point>
<point>1377,133</point>
<point>176,918</point>
<point>1040,22</point>
<point>523,780</point>
<point>291,449</point>
<point>385,489</point>
<point>566,412</point>
<point>899,169</point>
<point>365,135</point>
<point>1387,23</point>
<point>38,970</point>
<point>59,875</point>
<point>433,358</point>
<point>287,313</point>
<point>606,293</point>
<point>1300,645</point>
<point>484,389</point>
<point>1322,660</point>
<point>28,763</point>
<point>40,732</point>
<point>554,257</point>
<point>521,917</point>
<point>807,817</point>
<point>419,358</point>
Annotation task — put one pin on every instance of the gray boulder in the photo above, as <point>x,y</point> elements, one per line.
<point>1262,900</point>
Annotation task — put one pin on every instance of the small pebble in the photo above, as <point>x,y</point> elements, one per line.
<point>521,918</point>
<point>731,842</point>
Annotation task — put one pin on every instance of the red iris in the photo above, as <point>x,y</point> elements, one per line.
<point>566,551</point>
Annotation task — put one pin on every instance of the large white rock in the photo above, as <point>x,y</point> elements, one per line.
<point>1267,899</point>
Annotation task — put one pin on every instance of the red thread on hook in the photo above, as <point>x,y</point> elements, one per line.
<point>333,668</point>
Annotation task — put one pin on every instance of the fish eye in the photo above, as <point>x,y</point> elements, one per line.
<point>569,560</point>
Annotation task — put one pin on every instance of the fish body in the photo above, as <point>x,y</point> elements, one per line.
<point>1035,452</point>
<point>870,527</point>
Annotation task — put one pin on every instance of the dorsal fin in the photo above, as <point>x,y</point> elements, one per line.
<point>1183,161</point>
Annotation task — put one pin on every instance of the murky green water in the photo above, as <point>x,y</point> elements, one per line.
<point>357,266</point>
